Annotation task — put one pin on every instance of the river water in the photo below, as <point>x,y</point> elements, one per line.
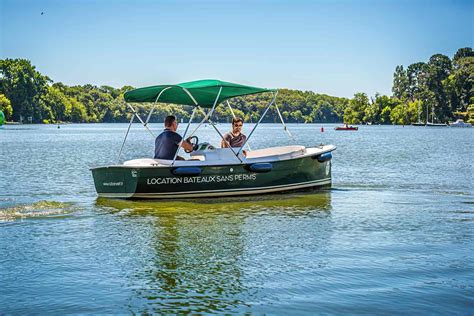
<point>395,234</point>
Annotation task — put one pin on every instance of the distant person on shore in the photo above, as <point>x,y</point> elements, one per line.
<point>168,142</point>
<point>234,138</point>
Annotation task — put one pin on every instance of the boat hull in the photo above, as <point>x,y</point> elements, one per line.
<point>213,181</point>
<point>346,128</point>
<point>436,125</point>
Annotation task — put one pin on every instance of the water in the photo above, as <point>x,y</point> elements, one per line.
<point>394,234</point>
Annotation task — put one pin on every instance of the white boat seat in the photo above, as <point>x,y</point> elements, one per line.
<point>277,151</point>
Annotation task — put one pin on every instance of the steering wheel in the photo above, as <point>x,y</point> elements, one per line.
<point>194,140</point>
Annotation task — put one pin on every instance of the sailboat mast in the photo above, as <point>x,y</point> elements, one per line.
<point>419,118</point>
<point>427,113</point>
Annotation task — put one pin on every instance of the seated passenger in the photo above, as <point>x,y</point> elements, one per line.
<point>168,142</point>
<point>234,138</point>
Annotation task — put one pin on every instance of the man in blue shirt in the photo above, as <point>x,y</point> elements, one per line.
<point>168,142</point>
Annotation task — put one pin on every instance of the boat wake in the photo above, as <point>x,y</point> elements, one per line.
<point>41,209</point>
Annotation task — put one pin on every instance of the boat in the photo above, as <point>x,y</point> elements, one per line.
<point>432,123</point>
<point>428,123</point>
<point>346,128</point>
<point>436,124</point>
<point>460,123</point>
<point>211,172</point>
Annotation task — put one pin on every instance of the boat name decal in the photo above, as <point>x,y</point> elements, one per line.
<point>202,179</point>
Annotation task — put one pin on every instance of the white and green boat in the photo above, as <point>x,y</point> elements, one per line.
<point>212,172</point>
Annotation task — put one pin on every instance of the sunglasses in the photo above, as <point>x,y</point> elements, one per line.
<point>238,125</point>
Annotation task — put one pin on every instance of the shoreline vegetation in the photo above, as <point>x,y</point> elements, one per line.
<point>439,90</point>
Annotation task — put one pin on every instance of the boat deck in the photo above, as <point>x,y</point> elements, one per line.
<point>225,156</point>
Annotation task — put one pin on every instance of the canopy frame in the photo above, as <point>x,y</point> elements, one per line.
<point>207,117</point>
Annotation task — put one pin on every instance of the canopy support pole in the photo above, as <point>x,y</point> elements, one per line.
<point>154,105</point>
<point>189,123</point>
<point>283,122</point>
<point>222,137</point>
<point>126,135</point>
<point>184,135</point>
<point>231,111</point>
<point>208,115</point>
<point>259,121</point>
<point>144,124</point>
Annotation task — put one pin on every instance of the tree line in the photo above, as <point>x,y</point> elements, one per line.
<point>442,86</point>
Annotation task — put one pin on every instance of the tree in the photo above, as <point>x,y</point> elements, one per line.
<point>400,83</point>
<point>60,106</point>
<point>461,54</point>
<point>439,68</point>
<point>417,77</point>
<point>385,115</point>
<point>460,83</point>
<point>354,113</point>
<point>23,85</point>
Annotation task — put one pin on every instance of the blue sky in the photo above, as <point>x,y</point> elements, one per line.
<point>332,47</point>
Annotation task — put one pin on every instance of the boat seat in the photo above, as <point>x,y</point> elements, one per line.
<point>147,162</point>
<point>277,151</point>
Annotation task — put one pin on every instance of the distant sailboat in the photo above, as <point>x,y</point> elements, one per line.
<point>428,123</point>
<point>433,124</point>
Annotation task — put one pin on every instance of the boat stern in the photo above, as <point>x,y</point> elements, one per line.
<point>115,181</point>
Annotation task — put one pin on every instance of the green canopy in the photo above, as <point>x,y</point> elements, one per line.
<point>2,118</point>
<point>203,91</point>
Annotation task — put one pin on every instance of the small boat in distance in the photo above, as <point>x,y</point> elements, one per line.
<point>436,124</point>
<point>460,123</point>
<point>346,128</point>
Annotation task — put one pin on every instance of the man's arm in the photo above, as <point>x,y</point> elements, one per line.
<point>225,142</point>
<point>186,145</point>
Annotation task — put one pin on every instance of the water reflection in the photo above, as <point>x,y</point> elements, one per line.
<point>200,250</point>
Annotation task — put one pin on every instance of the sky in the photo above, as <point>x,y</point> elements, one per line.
<point>332,47</point>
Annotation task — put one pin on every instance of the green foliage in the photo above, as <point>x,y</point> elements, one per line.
<point>400,87</point>
<point>355,112</point>
<point>23,86</point>
<point>444,86</point>
<point>5,106</point>
<point>470,113</point>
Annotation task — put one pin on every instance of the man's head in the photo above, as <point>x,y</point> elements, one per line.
<point>237,124</point>
<point>171,123</point>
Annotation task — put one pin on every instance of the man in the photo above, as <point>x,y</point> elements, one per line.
<point>168,142</point>
<point>235,138</point>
